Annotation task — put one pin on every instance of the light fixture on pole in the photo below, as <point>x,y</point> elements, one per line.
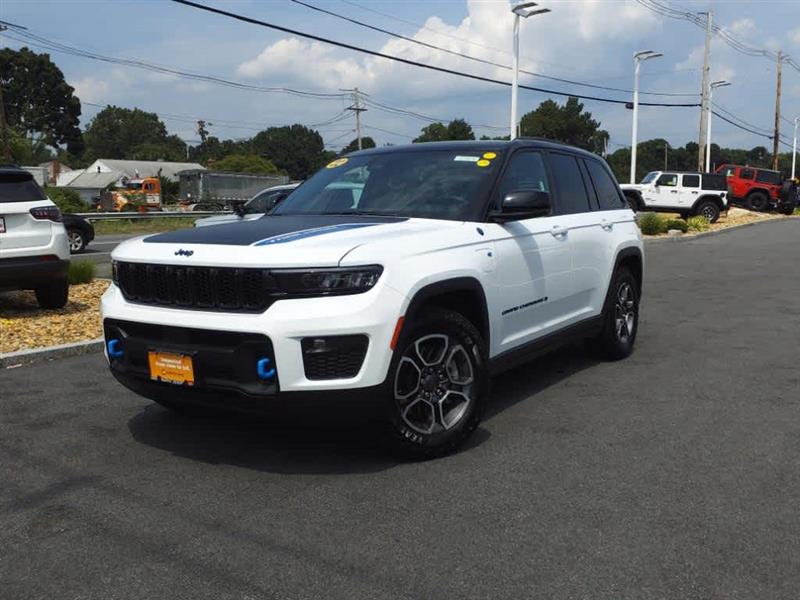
<point>638,59</point>
<point>714,85</point>
<point>794,146</point>
<point>525,10</point>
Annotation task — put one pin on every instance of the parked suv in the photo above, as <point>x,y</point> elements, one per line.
<point>255,208</point>
<point>453,262</point>
<point>689,194</point>
<point>757,189</point>
<point>34,252</point>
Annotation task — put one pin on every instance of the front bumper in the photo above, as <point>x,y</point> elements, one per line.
<point>228,345</point>
<point>30,272</point>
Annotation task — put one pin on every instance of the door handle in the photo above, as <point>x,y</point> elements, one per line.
<point>607,225</point>
<point>673,191</point>
<point>559,231</point>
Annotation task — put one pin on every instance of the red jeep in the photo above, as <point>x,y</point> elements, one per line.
<point>757,189</point>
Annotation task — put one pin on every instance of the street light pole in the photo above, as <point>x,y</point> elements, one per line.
<point>714,85</point>
<point>525,10</point>
<point>794,146</point>
<point>638,58</point>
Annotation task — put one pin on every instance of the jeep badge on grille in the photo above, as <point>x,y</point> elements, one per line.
<point>183,252</point>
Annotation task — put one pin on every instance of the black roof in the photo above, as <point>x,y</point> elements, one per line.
<point>476,145</point>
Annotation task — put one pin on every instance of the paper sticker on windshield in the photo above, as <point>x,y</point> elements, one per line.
<point>467,158</point>
<point>483,163</point>
<point>489,155</point>
<point>336,163</point>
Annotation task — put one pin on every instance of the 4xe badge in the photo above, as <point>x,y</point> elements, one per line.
<point>183,252</point>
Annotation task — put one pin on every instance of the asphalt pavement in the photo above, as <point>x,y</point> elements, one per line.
<point>99,251</point>
<point>673,474</point>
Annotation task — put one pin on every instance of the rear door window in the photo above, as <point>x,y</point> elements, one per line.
<point>608,195</point>
<point>746,173</point>
<point>572,195</point>
<point>19,187</point>
<point>769,177</point>
<point>691,181</point>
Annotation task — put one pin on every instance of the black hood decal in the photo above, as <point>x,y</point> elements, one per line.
<point>271,229</point>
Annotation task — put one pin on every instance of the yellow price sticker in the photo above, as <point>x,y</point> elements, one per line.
<point>483,163</point>
<point>490,155</point>
<point>336,163</point>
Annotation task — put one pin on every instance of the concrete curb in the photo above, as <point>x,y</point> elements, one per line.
<point>26,357</point>
<point>689,238</point>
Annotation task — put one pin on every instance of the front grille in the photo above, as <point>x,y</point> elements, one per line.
<point>334,357</point>
<point>205,288</point>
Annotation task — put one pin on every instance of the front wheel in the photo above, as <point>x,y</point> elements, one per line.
<point>438,384</point>
<point>709,210</point>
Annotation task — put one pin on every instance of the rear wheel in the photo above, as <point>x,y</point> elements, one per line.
<point>709,210</point>
<point>620,318</point>
<point>438,384</point>
<point>76,241</point>
<point>758,201</point>
<point>53,295</point>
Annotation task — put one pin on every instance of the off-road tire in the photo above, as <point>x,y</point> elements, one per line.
<point>422,407</point>
<point>757,201</point>
<point>609,343</point>
<point>53,295</point>
<point>707,209</point>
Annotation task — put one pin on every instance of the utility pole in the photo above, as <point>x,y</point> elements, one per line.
<point>705,104</point>
<point>5,141</point>
<point>357,109</point>
<point>776,138</point>
<point>665,157</point>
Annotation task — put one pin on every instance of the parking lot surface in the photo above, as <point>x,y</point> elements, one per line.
<point>673,474</point>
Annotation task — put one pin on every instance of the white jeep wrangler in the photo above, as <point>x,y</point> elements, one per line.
<point>703,194</point>
<point>403,276</point>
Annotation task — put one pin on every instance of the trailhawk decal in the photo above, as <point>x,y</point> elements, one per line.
<point>301,235</point>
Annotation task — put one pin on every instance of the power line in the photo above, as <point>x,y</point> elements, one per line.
<point>475,58</point>
<point>407,61</point>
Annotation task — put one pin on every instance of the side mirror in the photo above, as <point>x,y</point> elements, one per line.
<point>238,208</point>
<point>523,204</point>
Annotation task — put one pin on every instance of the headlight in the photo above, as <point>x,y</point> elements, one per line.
<point>327,282</point>
<point>115,272</point>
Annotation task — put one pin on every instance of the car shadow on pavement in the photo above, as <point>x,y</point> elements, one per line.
<point>326,443</point>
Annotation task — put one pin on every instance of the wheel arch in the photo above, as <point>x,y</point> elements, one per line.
<point>633,259</point>
<point>713,198</point>
<point>636,196</point>
<point>464,295</point>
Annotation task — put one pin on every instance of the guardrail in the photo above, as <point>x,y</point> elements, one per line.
<point>107,216</point>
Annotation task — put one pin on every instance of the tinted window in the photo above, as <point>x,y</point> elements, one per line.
<point>436,184</point>
<point>668,179</point>
<point>747,173</point>
<point>691,181</point>
<point>525,171</point>
<point>769,177</point>
<point>608,196</point>
<point>572,196</point>
<point>19,187</point>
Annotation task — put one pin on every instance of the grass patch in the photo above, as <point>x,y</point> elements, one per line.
<point>154,225</point>
<point>797,212</point>
<point>678,224</point>
<point>698,223</point>
<point>652,223</point>
<point>81,271</point>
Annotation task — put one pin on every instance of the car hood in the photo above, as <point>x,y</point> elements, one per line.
<point>283,241</point>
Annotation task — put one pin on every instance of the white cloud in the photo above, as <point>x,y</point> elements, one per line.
<point>90,89</point>
<point>794,36</point>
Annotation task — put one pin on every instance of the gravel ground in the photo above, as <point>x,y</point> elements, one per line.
<point>23,325</point>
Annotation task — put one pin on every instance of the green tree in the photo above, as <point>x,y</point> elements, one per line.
<point>26,151</point>
<point>246,163</point>
<point>294,149</point>
<point>68,200</point>
<point>568,123</point>
<point>366,142</point>
<point>117,132</point>
<point>38,101</point>
<point>457,129</point>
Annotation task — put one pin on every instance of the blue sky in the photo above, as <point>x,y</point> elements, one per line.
<point>587,40</point>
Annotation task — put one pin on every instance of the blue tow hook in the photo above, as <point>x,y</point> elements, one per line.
<point>263,369</point>
<point>114,351</point>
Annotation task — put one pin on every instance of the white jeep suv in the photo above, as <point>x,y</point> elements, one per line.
<point>34,249</point>
<point>403,277</point>
<point>703,194</point>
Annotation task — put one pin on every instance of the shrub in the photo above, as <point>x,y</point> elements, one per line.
<point>678,224</point>
<point>82,271</point>
<point>698,223</point>
<point>652,223</point>
<point>797,212</point>
<point>67,200</point>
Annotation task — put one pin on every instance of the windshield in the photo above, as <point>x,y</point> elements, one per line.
<point>134,186</point>
<point>650,177</point>
<point>435,184</point>
<point>19,187</point>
